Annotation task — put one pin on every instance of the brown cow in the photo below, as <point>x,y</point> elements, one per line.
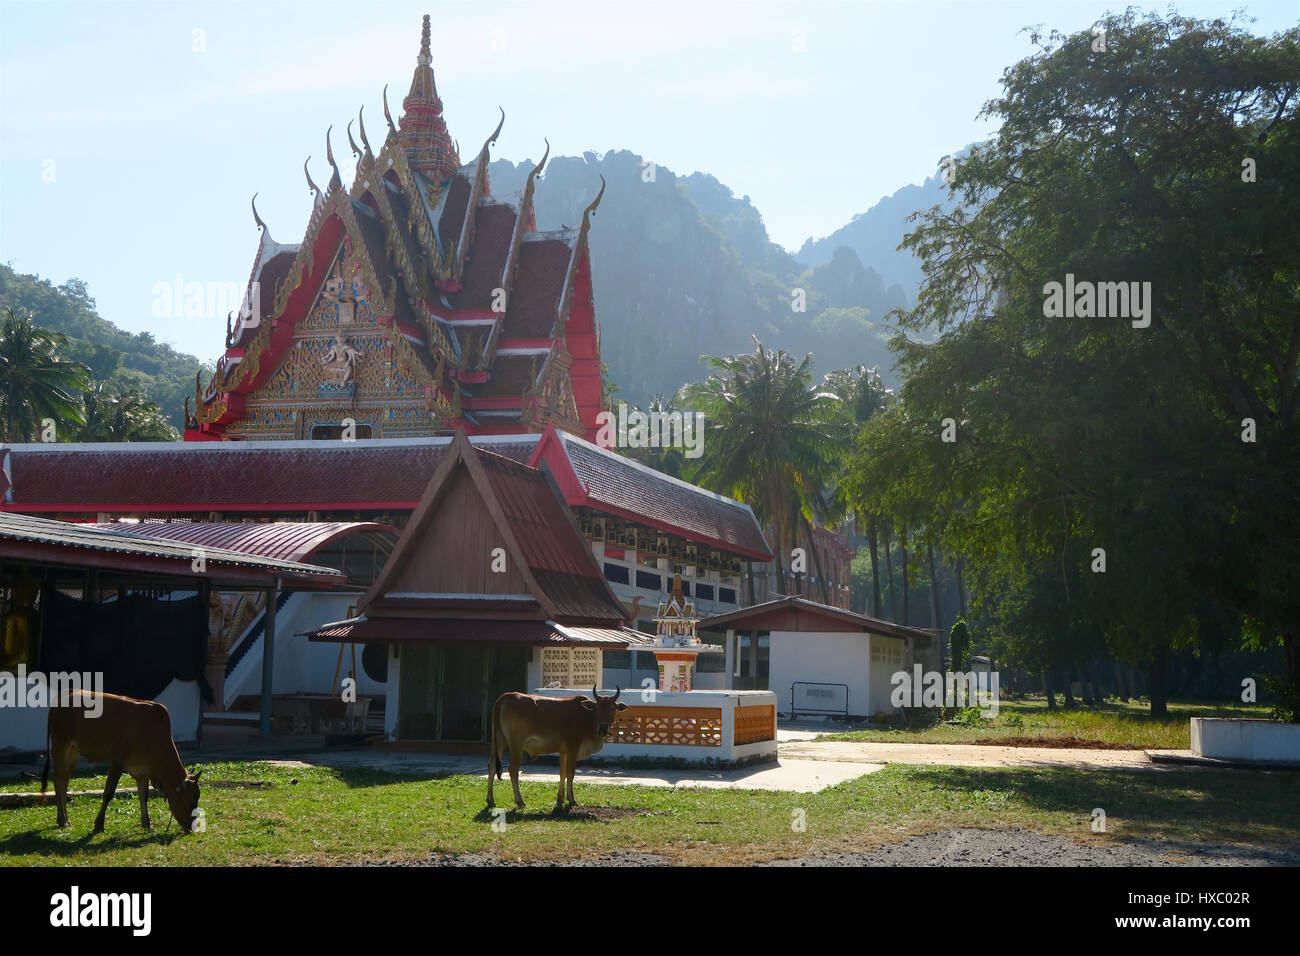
<point>573,727</point>
<point>130,735</point>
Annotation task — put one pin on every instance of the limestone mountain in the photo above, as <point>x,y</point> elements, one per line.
<point>684,268</point>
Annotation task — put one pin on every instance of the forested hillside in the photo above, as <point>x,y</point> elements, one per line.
<point>162,374</point>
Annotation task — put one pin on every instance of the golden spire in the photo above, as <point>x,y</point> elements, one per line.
<point>429,146</point>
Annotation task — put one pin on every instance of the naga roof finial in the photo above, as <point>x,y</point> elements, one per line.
<point>258,219</point>
<point>590,210</point>
<point>495,133</point>
<point>311,185</point>
<point>336,181</point>
<point>538,168</point>
<point>361,125</point>
<point>387,115</point>
<point>356,150</point>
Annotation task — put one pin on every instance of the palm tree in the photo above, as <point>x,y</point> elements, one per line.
<point>35,384</point>
<point>114,413</point>
<point>862,396</point>
<point>769,438</point>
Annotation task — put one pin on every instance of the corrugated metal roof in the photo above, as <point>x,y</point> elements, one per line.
<point>229,476</point>
<point>763,616</point>
<point>89,537</point>
<point>280,540</point>
<point>405,630</point>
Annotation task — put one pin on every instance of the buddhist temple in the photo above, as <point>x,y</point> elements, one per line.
<point>417,302</point>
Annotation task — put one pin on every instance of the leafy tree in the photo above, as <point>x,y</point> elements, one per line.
<point>959,646</point>
<point>114,413</point>
<point>35,383</point>
<point>862,396</point>
<point>769,436</point>
<point>1099,470</point>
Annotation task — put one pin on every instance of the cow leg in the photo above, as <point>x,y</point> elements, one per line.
<point>142,784</point>
<point>564,772</point>
<point>114,774</point>
<point>514,778</point>
<point>63,761</point>
<point>573,768</point>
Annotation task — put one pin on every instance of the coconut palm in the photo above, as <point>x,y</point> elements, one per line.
<point>862,396</point>
<point>114,413</point>
<point>35,384</point>
<point>769,436</point>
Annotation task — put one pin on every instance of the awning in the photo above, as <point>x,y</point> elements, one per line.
<point>408,630</point>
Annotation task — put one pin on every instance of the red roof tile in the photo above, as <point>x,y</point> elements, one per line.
<point>612,482</point>
<point>228,476</point>
<point>531,311</point>
<point>494,224</point>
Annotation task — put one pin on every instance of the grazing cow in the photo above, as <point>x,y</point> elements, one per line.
<point>573,727</point>
<point>130,735</point>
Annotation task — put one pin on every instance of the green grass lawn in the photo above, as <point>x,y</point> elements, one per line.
<point>1128,725</point>
<point>311,815</point>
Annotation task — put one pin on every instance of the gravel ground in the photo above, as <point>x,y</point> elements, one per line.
<point>963,847</point>
<point>974,847</point>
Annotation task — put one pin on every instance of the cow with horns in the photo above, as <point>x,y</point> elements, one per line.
<point>573,727</point>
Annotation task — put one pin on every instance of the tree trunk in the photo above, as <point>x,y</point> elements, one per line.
<point>935,621</point>
<point>1047,690</point>
<point>1069,691</point>
<point>1120,685</point>
<point>873,544</point>
<point>889,570</point>
<point>907,610</point>
<point>1159,701</point>
<point>817,562</point>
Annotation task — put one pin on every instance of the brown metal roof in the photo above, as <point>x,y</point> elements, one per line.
<point>800,614</point>
<point>44,541</point>
<point>531,517</point>
<point>621,486</point>
<point>280,540</point>
<point>253,476</point>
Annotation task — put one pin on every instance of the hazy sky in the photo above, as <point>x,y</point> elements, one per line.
<point>133,134</point>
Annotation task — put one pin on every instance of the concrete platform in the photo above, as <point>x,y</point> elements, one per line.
<point>789,775</point>
<point>1188,758</point>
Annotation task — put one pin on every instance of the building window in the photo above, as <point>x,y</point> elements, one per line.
<point>570,666</point>
<point>651,582</point>
<point>727,595</point>
<point>618,660</point>
<point>616,573</point>
<point>704,591</point>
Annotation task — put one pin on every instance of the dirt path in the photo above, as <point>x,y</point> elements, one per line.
<point>965,755</point>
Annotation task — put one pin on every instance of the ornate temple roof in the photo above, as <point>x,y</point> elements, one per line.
<point>419,242</point>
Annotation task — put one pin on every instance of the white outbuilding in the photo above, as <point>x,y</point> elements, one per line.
<point>818,659</point>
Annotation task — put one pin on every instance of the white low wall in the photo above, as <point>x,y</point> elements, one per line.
<point>1261,741</point>
<point>727,702</point>
<point>22,729</point>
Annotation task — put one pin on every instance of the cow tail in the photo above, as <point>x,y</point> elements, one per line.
<point>494,764</point>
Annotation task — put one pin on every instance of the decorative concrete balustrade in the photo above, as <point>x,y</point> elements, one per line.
<point>717,727</point>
